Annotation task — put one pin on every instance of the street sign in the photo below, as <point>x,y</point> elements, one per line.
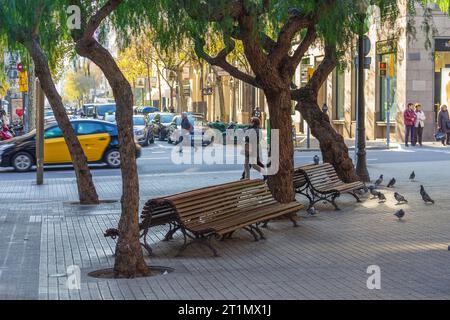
<point>391,65</point>
<point>140,82</point>
<point>23,81</point>
<point>310,73</point>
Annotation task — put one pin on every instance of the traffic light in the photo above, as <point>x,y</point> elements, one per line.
<point>383,68</point>
<point>19,67</point>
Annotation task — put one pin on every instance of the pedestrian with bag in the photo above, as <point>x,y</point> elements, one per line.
<point>444,124</point>
<point>252,150</point>
<point>419,125</point>
<point>410,120</point>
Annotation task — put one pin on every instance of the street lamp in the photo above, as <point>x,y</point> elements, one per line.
<point>361,165</point>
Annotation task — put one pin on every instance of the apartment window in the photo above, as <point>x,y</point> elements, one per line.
<point>339,99</point>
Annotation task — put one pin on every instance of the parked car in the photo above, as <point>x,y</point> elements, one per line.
<point>223,127</point>
<point>143,130</point>
<point>98,110</point>
<point>160,121</point>
<point>198,122</point>
<point>110,117</point>
<point>99,140</point>
<point>145,110</point>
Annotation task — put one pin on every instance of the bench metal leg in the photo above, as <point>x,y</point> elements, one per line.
<point>145,243</point>
<point>250,229</point>
<point>259,231</point>
<point>205,241</point>
<point>333,202</point>
<point>169,235</point>
<point>355,196</point>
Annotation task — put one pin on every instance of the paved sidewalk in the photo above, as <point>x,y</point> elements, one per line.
<point>326,257</point>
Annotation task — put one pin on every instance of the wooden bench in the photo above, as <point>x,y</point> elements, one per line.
<point>215,211</point>
<point>321,183</point>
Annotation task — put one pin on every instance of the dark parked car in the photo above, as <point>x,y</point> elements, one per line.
<point>200,125</point>
<point>160,121</point>
<point>99,140</point>
<point>143,130</point>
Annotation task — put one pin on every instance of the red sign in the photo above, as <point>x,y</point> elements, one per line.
<point>19,112</point>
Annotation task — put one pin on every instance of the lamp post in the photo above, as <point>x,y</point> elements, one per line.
<point>361,164</point>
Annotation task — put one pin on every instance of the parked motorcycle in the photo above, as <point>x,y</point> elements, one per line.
<point>5,133</point>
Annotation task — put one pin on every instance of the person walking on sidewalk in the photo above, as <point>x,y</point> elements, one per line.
<point>444,124</point>
<point>186,130</point>
<point>250,150</point>
<point>410,120</point>
<point>420,123</point>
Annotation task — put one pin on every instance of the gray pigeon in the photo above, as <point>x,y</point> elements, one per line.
<point>412,176</point>
<point>425,196</point>
<point>373,192</point>
<point>400,214</point>
<point>312,211</point>
<point>379,181</point>
<point>400,198</point>
<point>391,183</point>
<point>381,197</point>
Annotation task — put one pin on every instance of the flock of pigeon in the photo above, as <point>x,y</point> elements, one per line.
<point>382,198</point>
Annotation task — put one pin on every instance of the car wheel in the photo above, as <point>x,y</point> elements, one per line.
<point>22,162</point>
<point>112,158</point>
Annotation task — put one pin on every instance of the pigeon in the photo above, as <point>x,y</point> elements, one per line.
<point>391,183</point>
<point>425,196</point>
<point>400,214</point>
<point>412,176</point>
<point>373,192</point>
<point>381,197</point>
<point>379,181</point>
<point>312,211</point>
<point>400,198</point>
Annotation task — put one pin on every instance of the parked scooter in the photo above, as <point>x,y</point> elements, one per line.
<point>5,133</point>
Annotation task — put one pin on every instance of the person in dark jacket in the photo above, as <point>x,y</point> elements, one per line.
<point>186,130</point>
<point>410,120</point>
<point>444,123</point>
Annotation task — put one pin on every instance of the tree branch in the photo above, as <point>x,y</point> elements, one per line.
<point>99,16</point>
<point>302,47</point>
<point>287,34</point>
<point>320,75</point>
<point>221,61</point>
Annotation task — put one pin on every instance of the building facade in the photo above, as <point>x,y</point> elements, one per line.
<point>413,73</point>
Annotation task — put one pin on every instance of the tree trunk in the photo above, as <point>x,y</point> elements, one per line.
<point>129,261</point>
<point>332,144</point>
<point>86,189</point>
<point>281,184</point>
<point>181,98</point>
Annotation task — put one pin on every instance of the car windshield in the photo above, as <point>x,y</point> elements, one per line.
<point>101,110</point>
<point>138,121</point>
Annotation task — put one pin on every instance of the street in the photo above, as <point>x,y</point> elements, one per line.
<point>156,159</point>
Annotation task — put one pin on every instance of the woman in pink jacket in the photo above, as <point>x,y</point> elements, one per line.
<point>410,120</point>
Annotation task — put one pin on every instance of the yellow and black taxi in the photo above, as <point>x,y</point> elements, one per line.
<point>99,140</point>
